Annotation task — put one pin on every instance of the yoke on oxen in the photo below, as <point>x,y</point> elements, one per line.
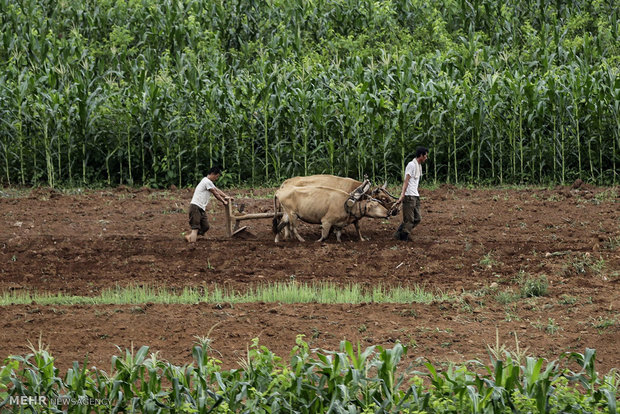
<point>378,193</point>
<point>357,194</point>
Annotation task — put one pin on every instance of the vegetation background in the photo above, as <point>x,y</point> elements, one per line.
<point>153,92</point>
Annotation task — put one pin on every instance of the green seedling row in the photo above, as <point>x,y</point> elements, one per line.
<point>350,380</point>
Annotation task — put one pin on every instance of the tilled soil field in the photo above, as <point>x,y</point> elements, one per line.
<point>477,246</point>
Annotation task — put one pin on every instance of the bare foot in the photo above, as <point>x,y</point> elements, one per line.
<point>191,237</point>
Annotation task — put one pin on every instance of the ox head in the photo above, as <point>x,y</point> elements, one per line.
<point>386,199</point>
<point>374,208</point>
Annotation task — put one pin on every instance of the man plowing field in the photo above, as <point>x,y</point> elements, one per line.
<point>198,220</point>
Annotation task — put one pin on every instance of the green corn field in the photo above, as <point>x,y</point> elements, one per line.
<point>146,92</point>
<point>373,380</point>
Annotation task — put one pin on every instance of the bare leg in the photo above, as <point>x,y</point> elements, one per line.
<point>191,238</point>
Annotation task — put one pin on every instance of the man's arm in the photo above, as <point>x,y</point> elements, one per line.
<point>222,193</point>
<point>219,195</point>
<point>404,189</point>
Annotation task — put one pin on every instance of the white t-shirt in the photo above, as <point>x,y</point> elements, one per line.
<point>414,169</point>
<point>202,194</point>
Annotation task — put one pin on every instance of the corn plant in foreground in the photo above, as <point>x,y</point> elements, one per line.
<point>350,380</point>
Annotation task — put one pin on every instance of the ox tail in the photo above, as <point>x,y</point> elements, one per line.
<point>277,208</point>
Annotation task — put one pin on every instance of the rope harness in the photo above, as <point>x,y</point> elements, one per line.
<point>362,210</point>
<point>356,198</point>
<point>394,207</point>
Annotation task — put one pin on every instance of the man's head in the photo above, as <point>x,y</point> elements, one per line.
<point>421,154</point>
<point>214,173</point>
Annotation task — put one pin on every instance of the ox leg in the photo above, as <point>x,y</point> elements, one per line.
<point>284,223</point>
<point>338,234</point>
<point>286,228</point>
<point>359,232</point>
<point>293,227</point>
<point>325,228</point>
<point>301,239</point>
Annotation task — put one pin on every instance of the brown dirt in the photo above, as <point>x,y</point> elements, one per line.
<point>472,244</point>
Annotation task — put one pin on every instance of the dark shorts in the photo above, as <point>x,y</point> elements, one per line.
<point>198,219</point>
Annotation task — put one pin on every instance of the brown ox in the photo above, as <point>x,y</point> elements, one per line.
<point>341,183</point>
<point>345,184</point>
<point>325,180</point>
<point>324,206</point>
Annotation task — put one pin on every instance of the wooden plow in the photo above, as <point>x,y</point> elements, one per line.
<point>234,218</point>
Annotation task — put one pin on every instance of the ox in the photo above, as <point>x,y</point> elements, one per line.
<point>348,185</point>
<point>355,188</point>
<point>325,180</point>
<point>324,206</point>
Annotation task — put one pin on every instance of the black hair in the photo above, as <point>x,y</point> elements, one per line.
<point>215,170</point>
<point>420,151</point>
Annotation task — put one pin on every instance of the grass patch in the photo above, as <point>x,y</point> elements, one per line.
<point>582,264</point>
<point>488,261</point>
<point>251,195</point>
<point>507,296</point>
<point>550,327</point>
<point>608,195</point>
<point>612,243</point>
<point>602,324</point>
<point>15,192</point>
<point>567,300</point>
<point>533,286</point>
<point>290,292</point>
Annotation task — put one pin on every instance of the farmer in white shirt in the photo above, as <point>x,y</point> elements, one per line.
<point>197,217</point>
<point>409,195</point>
